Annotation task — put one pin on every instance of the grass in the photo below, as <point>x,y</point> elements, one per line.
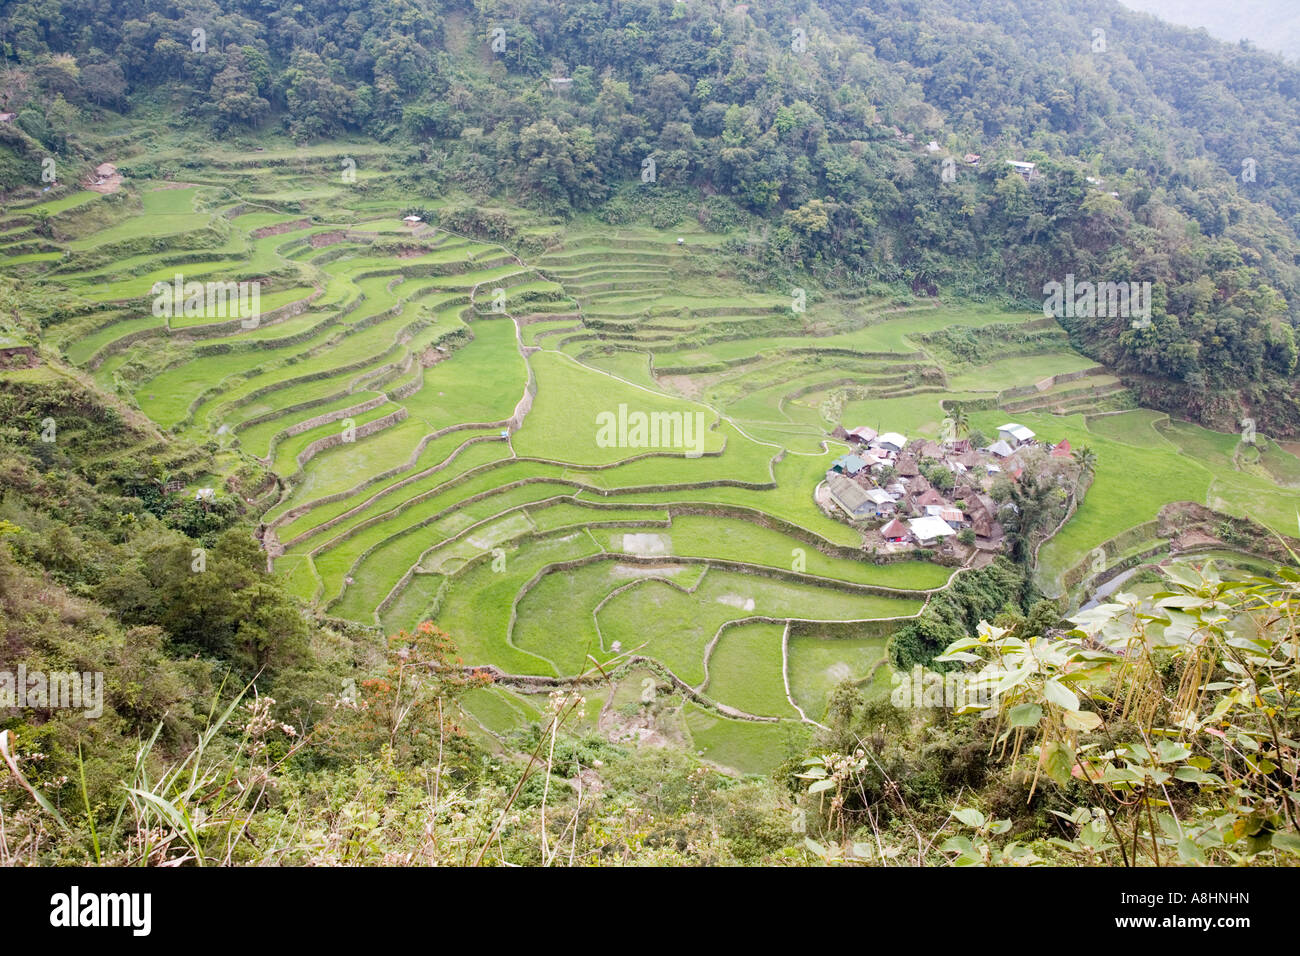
<point>476,609</point>
<point>452,455</point>
<point>556,618</point>
<point>1131,484</point>
<point>918,415</point>
<point>822,658</point>
<point>742,745</point>
<point>478,522</point>
<point>1020,370</point>
<point>675,627</point>
<point>563,423</point>
<point>736,540</point>
<point>791,500</point>
<point>741,671</point>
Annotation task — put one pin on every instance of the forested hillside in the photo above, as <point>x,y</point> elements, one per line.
<point>809,122</point>
<point>619,432</point>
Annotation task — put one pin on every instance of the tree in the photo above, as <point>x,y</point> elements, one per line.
<point>219,602</point>
<point>554,164</point>
<point>234,94</point>
<point>318,105</point>
<point>104,83</point>
<point>1086,460</point>
<point>960,420</point>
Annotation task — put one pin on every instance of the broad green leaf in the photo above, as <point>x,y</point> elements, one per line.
<point>1025,715</point>
<point>1060,695</point>
<point>1170,752</point>
<point>969,816</point>
<point>1287,842</point>
<point>1188,850</point>
<point>1058,761</point>
<point>1084,720</point>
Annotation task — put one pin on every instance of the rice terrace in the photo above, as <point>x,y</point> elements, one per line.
<point>452,428</point>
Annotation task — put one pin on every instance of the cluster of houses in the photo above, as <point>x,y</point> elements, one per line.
<point>1027,171</point>
<point>881,479</point>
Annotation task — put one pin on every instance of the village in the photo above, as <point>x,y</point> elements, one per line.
<point>949,497</point>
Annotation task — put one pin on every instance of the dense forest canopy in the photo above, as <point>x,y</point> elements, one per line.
<point>1163,156</point>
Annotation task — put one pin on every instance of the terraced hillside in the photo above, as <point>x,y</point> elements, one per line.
<point>427,408</point>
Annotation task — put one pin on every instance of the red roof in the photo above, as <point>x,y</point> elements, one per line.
<point>895,529</point>
<point>1062,450</point>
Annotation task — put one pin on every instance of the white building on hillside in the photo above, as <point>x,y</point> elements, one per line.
<point>929,530</point>
<point>892,441</point>
<point>1015,435</point>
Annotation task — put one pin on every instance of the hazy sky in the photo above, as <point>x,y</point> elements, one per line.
<point>1269,24</point>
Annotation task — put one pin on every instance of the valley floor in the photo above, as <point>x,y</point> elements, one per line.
<point>430,405</point>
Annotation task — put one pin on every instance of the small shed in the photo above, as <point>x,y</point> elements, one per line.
<point>883,501</point>
<point>894,532</point>
<point>1028,171</point>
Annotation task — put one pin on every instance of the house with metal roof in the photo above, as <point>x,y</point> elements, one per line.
<point>848,464</point>
<point>884,502</point>
<point>850,496</point>
<point>929,530</point>
<point>1015,435</point>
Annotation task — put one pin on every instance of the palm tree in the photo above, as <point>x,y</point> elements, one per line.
<point>1086,459</point>
<point>960,420</point>
<point>1032,509</point>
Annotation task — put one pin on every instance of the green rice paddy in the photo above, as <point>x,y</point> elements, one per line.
<point>438,458</point>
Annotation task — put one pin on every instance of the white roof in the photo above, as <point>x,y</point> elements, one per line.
<point>930,527</point>
<point>1019,432</point>
<point>412,219</point>
<point>879,496</point>
<point>1001,449</point>
<point>892,438</point>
